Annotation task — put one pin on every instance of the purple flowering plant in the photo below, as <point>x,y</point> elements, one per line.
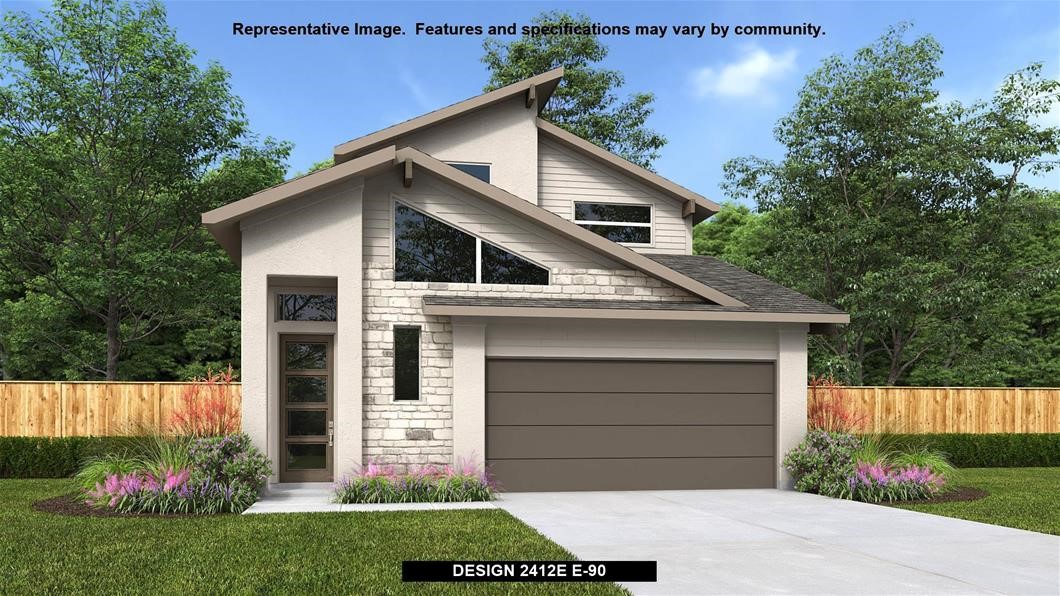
<point>380,483</point>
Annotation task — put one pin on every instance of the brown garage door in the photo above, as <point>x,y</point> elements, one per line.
<point>629,425</point>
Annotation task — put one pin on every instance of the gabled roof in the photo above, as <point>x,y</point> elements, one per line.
<point>701,207</point>
<point>223,222</point>
<point>536,89</point>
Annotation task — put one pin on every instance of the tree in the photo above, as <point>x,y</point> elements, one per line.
<point>713,236</point>
<point>585,103</point>
<point>113,142</point>
<point>887,204</point>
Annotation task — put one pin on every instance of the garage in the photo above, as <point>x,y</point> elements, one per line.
<point>565,425</point>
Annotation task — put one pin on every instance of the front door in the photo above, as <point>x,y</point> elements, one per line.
<point>306,426</point>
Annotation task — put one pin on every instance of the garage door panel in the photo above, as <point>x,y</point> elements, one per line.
<point>634,474</point>
<point>559,442</point>
<point>605,376</point>
<point>519,408</point>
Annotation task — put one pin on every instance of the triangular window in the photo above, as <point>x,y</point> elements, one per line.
<point>430,250</point>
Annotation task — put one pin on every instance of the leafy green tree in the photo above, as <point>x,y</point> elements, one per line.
<point>713,236</point>
<point>889,204</point>
<point>112,142</point>
<point>586,102</point>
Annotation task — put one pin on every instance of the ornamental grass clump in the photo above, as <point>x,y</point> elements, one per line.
<point>375,483</point>
<point>215,475</point>
<point>877,482</point>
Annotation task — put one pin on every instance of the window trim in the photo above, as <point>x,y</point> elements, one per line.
<point>488,165</point>
<point>588,222</point>
<point>395,201</point>
<point>419,362</point>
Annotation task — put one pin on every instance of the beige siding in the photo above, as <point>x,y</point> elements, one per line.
<point>470,214</point>
<point>564,176</point>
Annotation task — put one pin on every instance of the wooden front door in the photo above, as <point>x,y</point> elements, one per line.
<point>306,424</point>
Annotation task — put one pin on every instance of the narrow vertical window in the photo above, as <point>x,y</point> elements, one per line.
<point>406,363</point>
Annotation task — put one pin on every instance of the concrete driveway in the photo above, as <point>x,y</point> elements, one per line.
<point>761,541</point>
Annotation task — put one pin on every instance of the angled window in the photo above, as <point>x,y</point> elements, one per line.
<point>628,224</point>
<point>478,170</point>
<point>406,363</point>
<point>502,267</point>
<point>429,250</point>
<point>306,307</point>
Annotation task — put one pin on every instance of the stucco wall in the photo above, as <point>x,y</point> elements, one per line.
<point>311,237</point>
<point>504,136</point>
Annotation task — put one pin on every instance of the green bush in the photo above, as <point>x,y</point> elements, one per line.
<point>53,457</point>
<point>998,450</point>
<point>824,463</point>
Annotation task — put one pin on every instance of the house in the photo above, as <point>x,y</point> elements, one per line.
<point>477,283</point>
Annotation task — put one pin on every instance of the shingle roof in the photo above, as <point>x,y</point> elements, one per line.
<point>757,292</point>
<point>760,294</point>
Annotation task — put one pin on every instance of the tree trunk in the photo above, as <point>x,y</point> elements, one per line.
<point>113,339</point>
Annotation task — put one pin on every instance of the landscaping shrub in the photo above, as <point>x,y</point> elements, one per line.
<point>53,457</point>
<point>427,484</point>
<point>824,463</point>
<point>995,450</point>
<point>182,475</point>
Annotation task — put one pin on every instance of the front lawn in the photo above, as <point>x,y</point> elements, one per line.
<point>339,553</point>
<point>1019,498</point>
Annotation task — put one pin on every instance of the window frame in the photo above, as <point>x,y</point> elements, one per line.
<point>650,224</point>
<point>419,362</point>
<point>489,168</point>
<point>478,248</point>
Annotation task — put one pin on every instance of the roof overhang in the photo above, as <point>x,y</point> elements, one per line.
<point>536,91</point>
<point>223,222</point>
<point>565,228</point>
<point>646,314</point>
<point>696,205</point>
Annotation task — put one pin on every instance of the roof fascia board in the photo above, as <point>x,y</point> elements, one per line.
<point>563,227</point>
<point>543,85</point>
<point>626,314</point>
<point>704,206</point>
<point>223,222</point>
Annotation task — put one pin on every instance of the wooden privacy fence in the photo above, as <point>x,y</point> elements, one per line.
<point>61,409</point>
<point>978,410</point>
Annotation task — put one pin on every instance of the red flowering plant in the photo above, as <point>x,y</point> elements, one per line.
<point>208,407</point>
<point>829,408</point>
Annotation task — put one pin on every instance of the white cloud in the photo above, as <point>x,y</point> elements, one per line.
<point>747,77</point>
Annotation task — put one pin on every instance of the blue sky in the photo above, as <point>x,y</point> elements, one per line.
<point>716,99</point>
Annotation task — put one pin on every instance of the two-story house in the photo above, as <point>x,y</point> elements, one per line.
<point>477,283</point>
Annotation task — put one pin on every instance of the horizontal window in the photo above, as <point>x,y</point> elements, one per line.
<point>478,170</point>
<point>630,224</point>
<point>307,307</point>
<point>429,250</point>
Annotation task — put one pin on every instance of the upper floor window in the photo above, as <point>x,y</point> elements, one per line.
<point>629,224</point>
<point>430,250</point>
<point>306,307</point>
<point>478,170</point>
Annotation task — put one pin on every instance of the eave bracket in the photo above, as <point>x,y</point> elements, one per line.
<point>407,182</point>
<point>531,96</point>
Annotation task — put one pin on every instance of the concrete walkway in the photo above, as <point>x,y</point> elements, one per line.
<point>769,541</point>
<point>308,497</point>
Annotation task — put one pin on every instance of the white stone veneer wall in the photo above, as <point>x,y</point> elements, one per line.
<point>421,432</point>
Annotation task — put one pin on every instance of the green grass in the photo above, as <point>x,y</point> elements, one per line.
<point>339,553</point>
<point>1019,498</point>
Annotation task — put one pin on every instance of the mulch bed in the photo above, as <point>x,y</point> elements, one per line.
<point>963,493</point>
<point>76,506</point>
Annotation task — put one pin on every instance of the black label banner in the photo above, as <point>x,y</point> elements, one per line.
<point>528,571</point>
